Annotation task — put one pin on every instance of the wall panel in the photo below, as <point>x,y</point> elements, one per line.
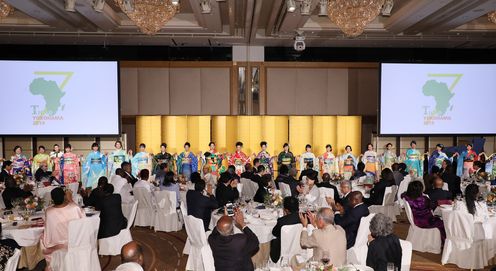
<point>153,86</point>
<point>300,133</point>
<point>281,91</point>
<point>129,91</point>
<point>185,91</point>
<point>48,142</point>
<point>311,92</point>
<point>174,132</point>
<point>324,132</point>
<point>24,142</point>
<point>148,131</point>
<point>275,130</point>
<point>215,91</point>
<point>249,131</point>
<point>198,133</point>
<point>337,92</point>
<point>349,133</point>
<point>81,145</point>
<point>224,132</point>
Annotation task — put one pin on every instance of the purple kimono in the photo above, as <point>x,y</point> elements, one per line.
<point>422,214</point>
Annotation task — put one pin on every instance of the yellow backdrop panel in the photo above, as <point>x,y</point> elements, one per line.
<point>275,132</point>
<point>250,133</point>
<point>148,131</point>
<point>175,132</point>
<point>199,133</point>
<point>224,132</point>
<point>300,133</point>
<point>349,133</point>
<point>324,132</point>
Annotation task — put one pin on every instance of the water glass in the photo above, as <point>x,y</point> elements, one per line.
<point>390,267</point>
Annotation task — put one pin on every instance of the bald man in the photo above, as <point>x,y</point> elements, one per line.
<point>233,251</point>
<point>131,257</point>
<point>350,221</point>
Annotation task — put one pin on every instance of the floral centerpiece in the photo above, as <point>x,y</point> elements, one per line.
<point>33,203</point>
<point>273,198</point>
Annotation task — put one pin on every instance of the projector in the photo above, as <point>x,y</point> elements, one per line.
<point>299,44</point>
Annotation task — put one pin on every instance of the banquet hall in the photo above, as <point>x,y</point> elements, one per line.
<point>247,135</point>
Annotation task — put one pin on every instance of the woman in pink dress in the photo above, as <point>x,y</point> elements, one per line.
<point>67,167</point>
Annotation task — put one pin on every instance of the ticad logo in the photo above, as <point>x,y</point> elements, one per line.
<point>442,95</point>
<point>52,94</point>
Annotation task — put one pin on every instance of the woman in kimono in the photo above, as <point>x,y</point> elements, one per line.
<point>347,163</point>
<point>491,165</point>
<point>286,157</point>
<point>141,160</point>
<point>437,157</point>
<point>265,159</point>
<point>163,158</point>
<point>187,162</point>
<point>308,157</point>
<point>370,160</point>
<point>388,158</point>
<point>213,160</point>
<point>95,167</point>
<point>239,159</point>
<point>54,154</point>
<point>466,160</point>
<point>328,162</point>
<point>41,158</point>
<point>413,160</point>
<point>20,164</point>
<point>116,158</point>
<point>68,169</point>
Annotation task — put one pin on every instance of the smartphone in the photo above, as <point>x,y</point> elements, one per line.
<point>230,209</point>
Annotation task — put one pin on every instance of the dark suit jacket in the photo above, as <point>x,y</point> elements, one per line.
<point>233,252</point>
<point>112,221</point>
<point>256,179</point>
<point>438,194</point>
<point>384,250</point>
<point>12,193</point>
<point>306,172</point>
<point>247,174</point>
<point>292,182</point>
<point>377,193</point>
<point>3,176</point>
<point>275,244</point>
<point>131,179</point>
<point>260,194</point>
<point>226,193</point>
<point>350,222</point>
<point>200,206</point>
<point>95,198</point>
<point>453,183</point>
<point>329,185</point>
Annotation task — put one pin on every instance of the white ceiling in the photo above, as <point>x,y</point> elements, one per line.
<point>413,23</point>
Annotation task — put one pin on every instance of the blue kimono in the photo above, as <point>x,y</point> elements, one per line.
<point>437,158</point>
<point>94,167</point>
<point>413,162</point>
<point>141,160</point>
<point>491,166</point>
<point>187,164</point>
<point>465,163</point>
<point>115,160</point>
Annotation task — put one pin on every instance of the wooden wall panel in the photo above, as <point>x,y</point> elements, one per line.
<point>337,92</point>
<point>153,86</point>
<point>129,91</point>
<point>281,91</point>
<point>215,93</point>
<point>311,92</point>
<point>185,91</point>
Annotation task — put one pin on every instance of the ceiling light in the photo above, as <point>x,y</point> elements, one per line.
<point>387,7</point>
<point>491,16</point>
<point>323,8</point>
<point>175,2</point>
<point>70,5</point>
<point>305,7</point>
<point>353,16</point>
<point>291,5</point>
<point>205,6</point>
<point>299,44</point>
<point>127,5</point>
<point>5,9</point>
<point>98,5</point>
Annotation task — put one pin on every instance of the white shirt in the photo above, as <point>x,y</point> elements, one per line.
<point>143,184</point>
<point>130,266</point>
<point>118,182</point>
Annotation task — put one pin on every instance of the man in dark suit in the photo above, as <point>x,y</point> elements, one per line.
<point>233,251</point>
<point>263,188</point>
<point>291,217</point>
<point>326,182</point>
<point>257,176</point>
<point>350,220</point>
<point>200,205</point>
<point>307,171</point>
<point>451,178</point>
<point>6,168</point>
<point>112,221</point>
<point>437,193</point>
<point>12,192</point>
<point>126,166</point>
<point>227,190</point>
<point>284,177</point>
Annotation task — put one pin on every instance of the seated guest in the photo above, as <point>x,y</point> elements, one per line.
<point>478,167</point>
<point>257,176</point>
<point>201,202</point>
<point>384,246</point>
<point>350,218</point>
<point>284,177</point>
<point>231,170</point>
<point>377,192</point>
<point>311,190</point>
<point>291,217</point>
<point>471,205</point>
<point>118,181</point>
<point>327,238</point>
<point>438,194</point>
<point>307,171</point>
<point>345,189</point>
<point>160,175</point>
<point>256,164</point>
<point>208,177</point>
<point>248,171</point>
<point>6,168</point>
<point>126,166</point>
<point>42,173</point>
<point>226,189</point>
<point>398,177</point>
<point>57,218</point>
<point>403,169</point>
<point>169,184</point>
<point>233,251</point>
<point>429,181</point>
<point>451,179</point>
<point>132,257</point>
<point>326,182</point>
<point>263,188</point>
<point>13,192</point>
<point>421,208</point>
<point>360,172</point>
<point>143,180</point>
<point>96,195</point>
<point>112,221</point>
<point>195,177</point>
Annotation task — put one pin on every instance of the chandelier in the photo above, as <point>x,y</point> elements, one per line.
<point>5,9</point>
<point>149,15</point>
<point>351,16</point>
<point>491,16</point>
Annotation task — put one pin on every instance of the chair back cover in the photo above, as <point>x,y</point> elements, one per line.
<point>249,188</point>
<point>13,261</point>
<point>166,201</point>
<point>363,230</point>
<point>285,189</point>
<point>402,189</point>
<point>389,195</point>
<point>409,214</point>
<point>83,232</point>
<point>406,255</point>
<point>290,241</point>
<point>144,198</point>
<point>459,228</point>
<point>132,216</point>
<point>325,192</point>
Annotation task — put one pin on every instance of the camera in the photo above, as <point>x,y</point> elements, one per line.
<point>299,44</point>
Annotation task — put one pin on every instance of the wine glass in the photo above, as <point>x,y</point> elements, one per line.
<point>325,258</point>
<point>390,267</point>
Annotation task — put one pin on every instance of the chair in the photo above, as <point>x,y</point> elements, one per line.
<point>388,207</point>
<point>249,188</point>
<point>146,210</point>
<point>423,240</point>
<point>184,213</point>
<point>460,247</point>
<point>166,217</point>
<point>325,192</point>
<point>285,189</point>
<point>112,245</point>
<point>127,208</point>
<point>290,242</point>
<point>81,253</point>
<point>402,189</point>
<point>406,255</point>
<point>13,261</point>
<point>358,253</point>
<point>240,188</point>
<point>200,255</point>
<point>74,187</point>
